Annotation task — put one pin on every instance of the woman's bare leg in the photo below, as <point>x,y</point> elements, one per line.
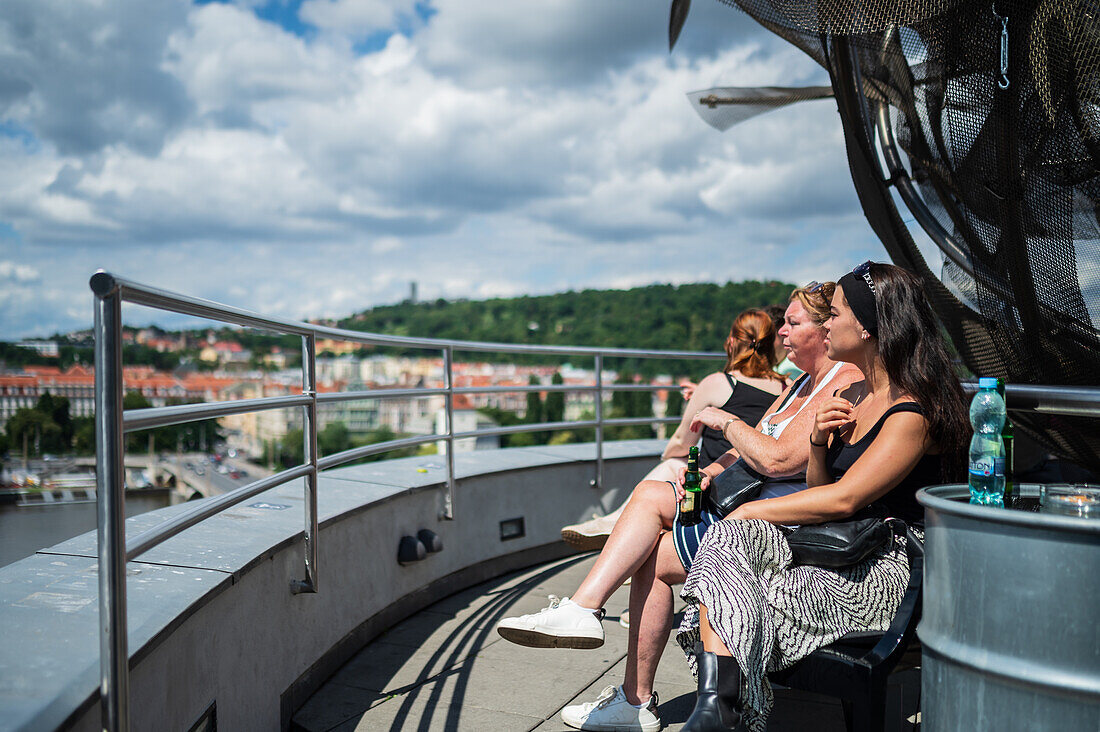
<point>650,618</point>
<point>650,510</point>
<point>711,642</point>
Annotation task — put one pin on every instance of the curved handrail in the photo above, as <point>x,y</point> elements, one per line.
<point>112,422</point>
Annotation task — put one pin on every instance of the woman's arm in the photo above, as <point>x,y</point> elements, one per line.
<point>713,389</point>
<point>788,454</point>
<point>899,446</point>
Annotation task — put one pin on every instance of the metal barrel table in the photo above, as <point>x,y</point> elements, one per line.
<point>1011,625</point>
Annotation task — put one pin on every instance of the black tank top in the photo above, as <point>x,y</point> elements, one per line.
<point>746,402</point>
<point>901,501</point>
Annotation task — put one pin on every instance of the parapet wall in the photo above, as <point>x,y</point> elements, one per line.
<point>211,617</point>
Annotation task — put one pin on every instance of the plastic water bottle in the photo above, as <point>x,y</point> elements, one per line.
<point>987,450</point>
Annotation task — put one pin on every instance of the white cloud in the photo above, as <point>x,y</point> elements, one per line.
<point>82,76</point>
<point>489,149</point>
<point>356,18</point>
<point>18,272</point>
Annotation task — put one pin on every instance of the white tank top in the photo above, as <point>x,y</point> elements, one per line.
<point>775,430</point>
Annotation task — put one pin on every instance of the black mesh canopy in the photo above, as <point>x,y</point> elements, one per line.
<point>994,107</point>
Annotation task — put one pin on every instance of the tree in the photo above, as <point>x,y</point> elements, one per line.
<point>56,410</point>
<point>536,412</point>
<point>26,427</point>
<point>188,436</point>
<point>534,402</point>
<point>46,427</point>
<point>641,405</point>
<point>674,404</point>
<point>84,435</point>
<point>291,451</point>
<point>628,404</point>
<point>504,418</point>
<point>584,434</point>
<point>554,407</point>
<point>333,438</point>
<point>384,434</point>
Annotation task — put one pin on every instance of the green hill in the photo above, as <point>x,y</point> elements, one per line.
<point>683,317</point>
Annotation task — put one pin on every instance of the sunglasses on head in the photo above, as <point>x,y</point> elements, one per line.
<point>864,271</point>
<point>813,287</point>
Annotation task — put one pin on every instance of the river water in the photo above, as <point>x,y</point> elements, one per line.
<point>26,529</point>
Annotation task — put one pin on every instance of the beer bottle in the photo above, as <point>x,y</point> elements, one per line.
<point>1011,494</point>
<point>691,505</point>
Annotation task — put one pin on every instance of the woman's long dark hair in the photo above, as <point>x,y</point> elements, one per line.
<point>915,356</point>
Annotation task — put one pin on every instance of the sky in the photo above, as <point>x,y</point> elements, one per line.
<point>311,158</point>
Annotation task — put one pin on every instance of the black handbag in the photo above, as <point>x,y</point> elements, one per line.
<point>735,485</point>
<point>841,544</point>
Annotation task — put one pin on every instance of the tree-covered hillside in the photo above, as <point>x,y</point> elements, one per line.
<point>684,317</point>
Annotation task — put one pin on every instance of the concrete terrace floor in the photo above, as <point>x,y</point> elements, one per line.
<point>446,668</point>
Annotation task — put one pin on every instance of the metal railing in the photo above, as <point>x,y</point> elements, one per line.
<point>115,548</point>
<point>111,422</point>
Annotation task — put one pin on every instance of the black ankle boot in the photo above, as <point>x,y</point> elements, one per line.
<point>718,707</point>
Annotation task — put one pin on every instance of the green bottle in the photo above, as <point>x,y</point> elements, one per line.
<point>691,505</point>
<point>1011,494</point>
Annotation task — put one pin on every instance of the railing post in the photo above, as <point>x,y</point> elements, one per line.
<point>114,657</point>
<point>598,482</point>
<point>309,445</point>
<point>449,409</point>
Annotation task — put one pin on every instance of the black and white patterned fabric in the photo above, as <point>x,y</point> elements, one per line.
<point>771,614</point>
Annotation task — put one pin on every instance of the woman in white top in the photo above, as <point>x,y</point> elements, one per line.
<point>642,547</point>
<point>747,386</point>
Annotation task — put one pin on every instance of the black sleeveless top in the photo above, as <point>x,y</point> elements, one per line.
<point>901,501</point>
<point>746,402</point>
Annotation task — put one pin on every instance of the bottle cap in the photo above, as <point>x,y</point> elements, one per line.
<point>987,382</point>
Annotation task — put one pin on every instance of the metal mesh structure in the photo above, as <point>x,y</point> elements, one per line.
<point>995,108</point>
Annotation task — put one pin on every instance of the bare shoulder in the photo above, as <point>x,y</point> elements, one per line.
<point>714,389</point>
<point>848,374</point>
<point>718,378</point>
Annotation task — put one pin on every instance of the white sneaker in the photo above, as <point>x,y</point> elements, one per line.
<point>562,625</point>
<point>611,712</point>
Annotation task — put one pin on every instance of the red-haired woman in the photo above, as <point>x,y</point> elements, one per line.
<point>746,387</point>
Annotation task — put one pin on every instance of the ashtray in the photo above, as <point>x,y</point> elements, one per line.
<point>1066,499</point>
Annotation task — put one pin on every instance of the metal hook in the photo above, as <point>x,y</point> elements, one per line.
<point>1003,82</point>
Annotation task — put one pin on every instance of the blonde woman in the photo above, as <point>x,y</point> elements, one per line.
<point>642,545</point>
<point>746,386</point>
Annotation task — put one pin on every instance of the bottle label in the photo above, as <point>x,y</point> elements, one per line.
<point>687,503</point>
<point>999,467</point>
<point>983,467</point>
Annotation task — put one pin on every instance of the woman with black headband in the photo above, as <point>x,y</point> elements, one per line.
<point>648,545</point>
<point>873,444</point>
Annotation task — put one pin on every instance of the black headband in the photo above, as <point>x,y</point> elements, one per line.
<point>861,298</point>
